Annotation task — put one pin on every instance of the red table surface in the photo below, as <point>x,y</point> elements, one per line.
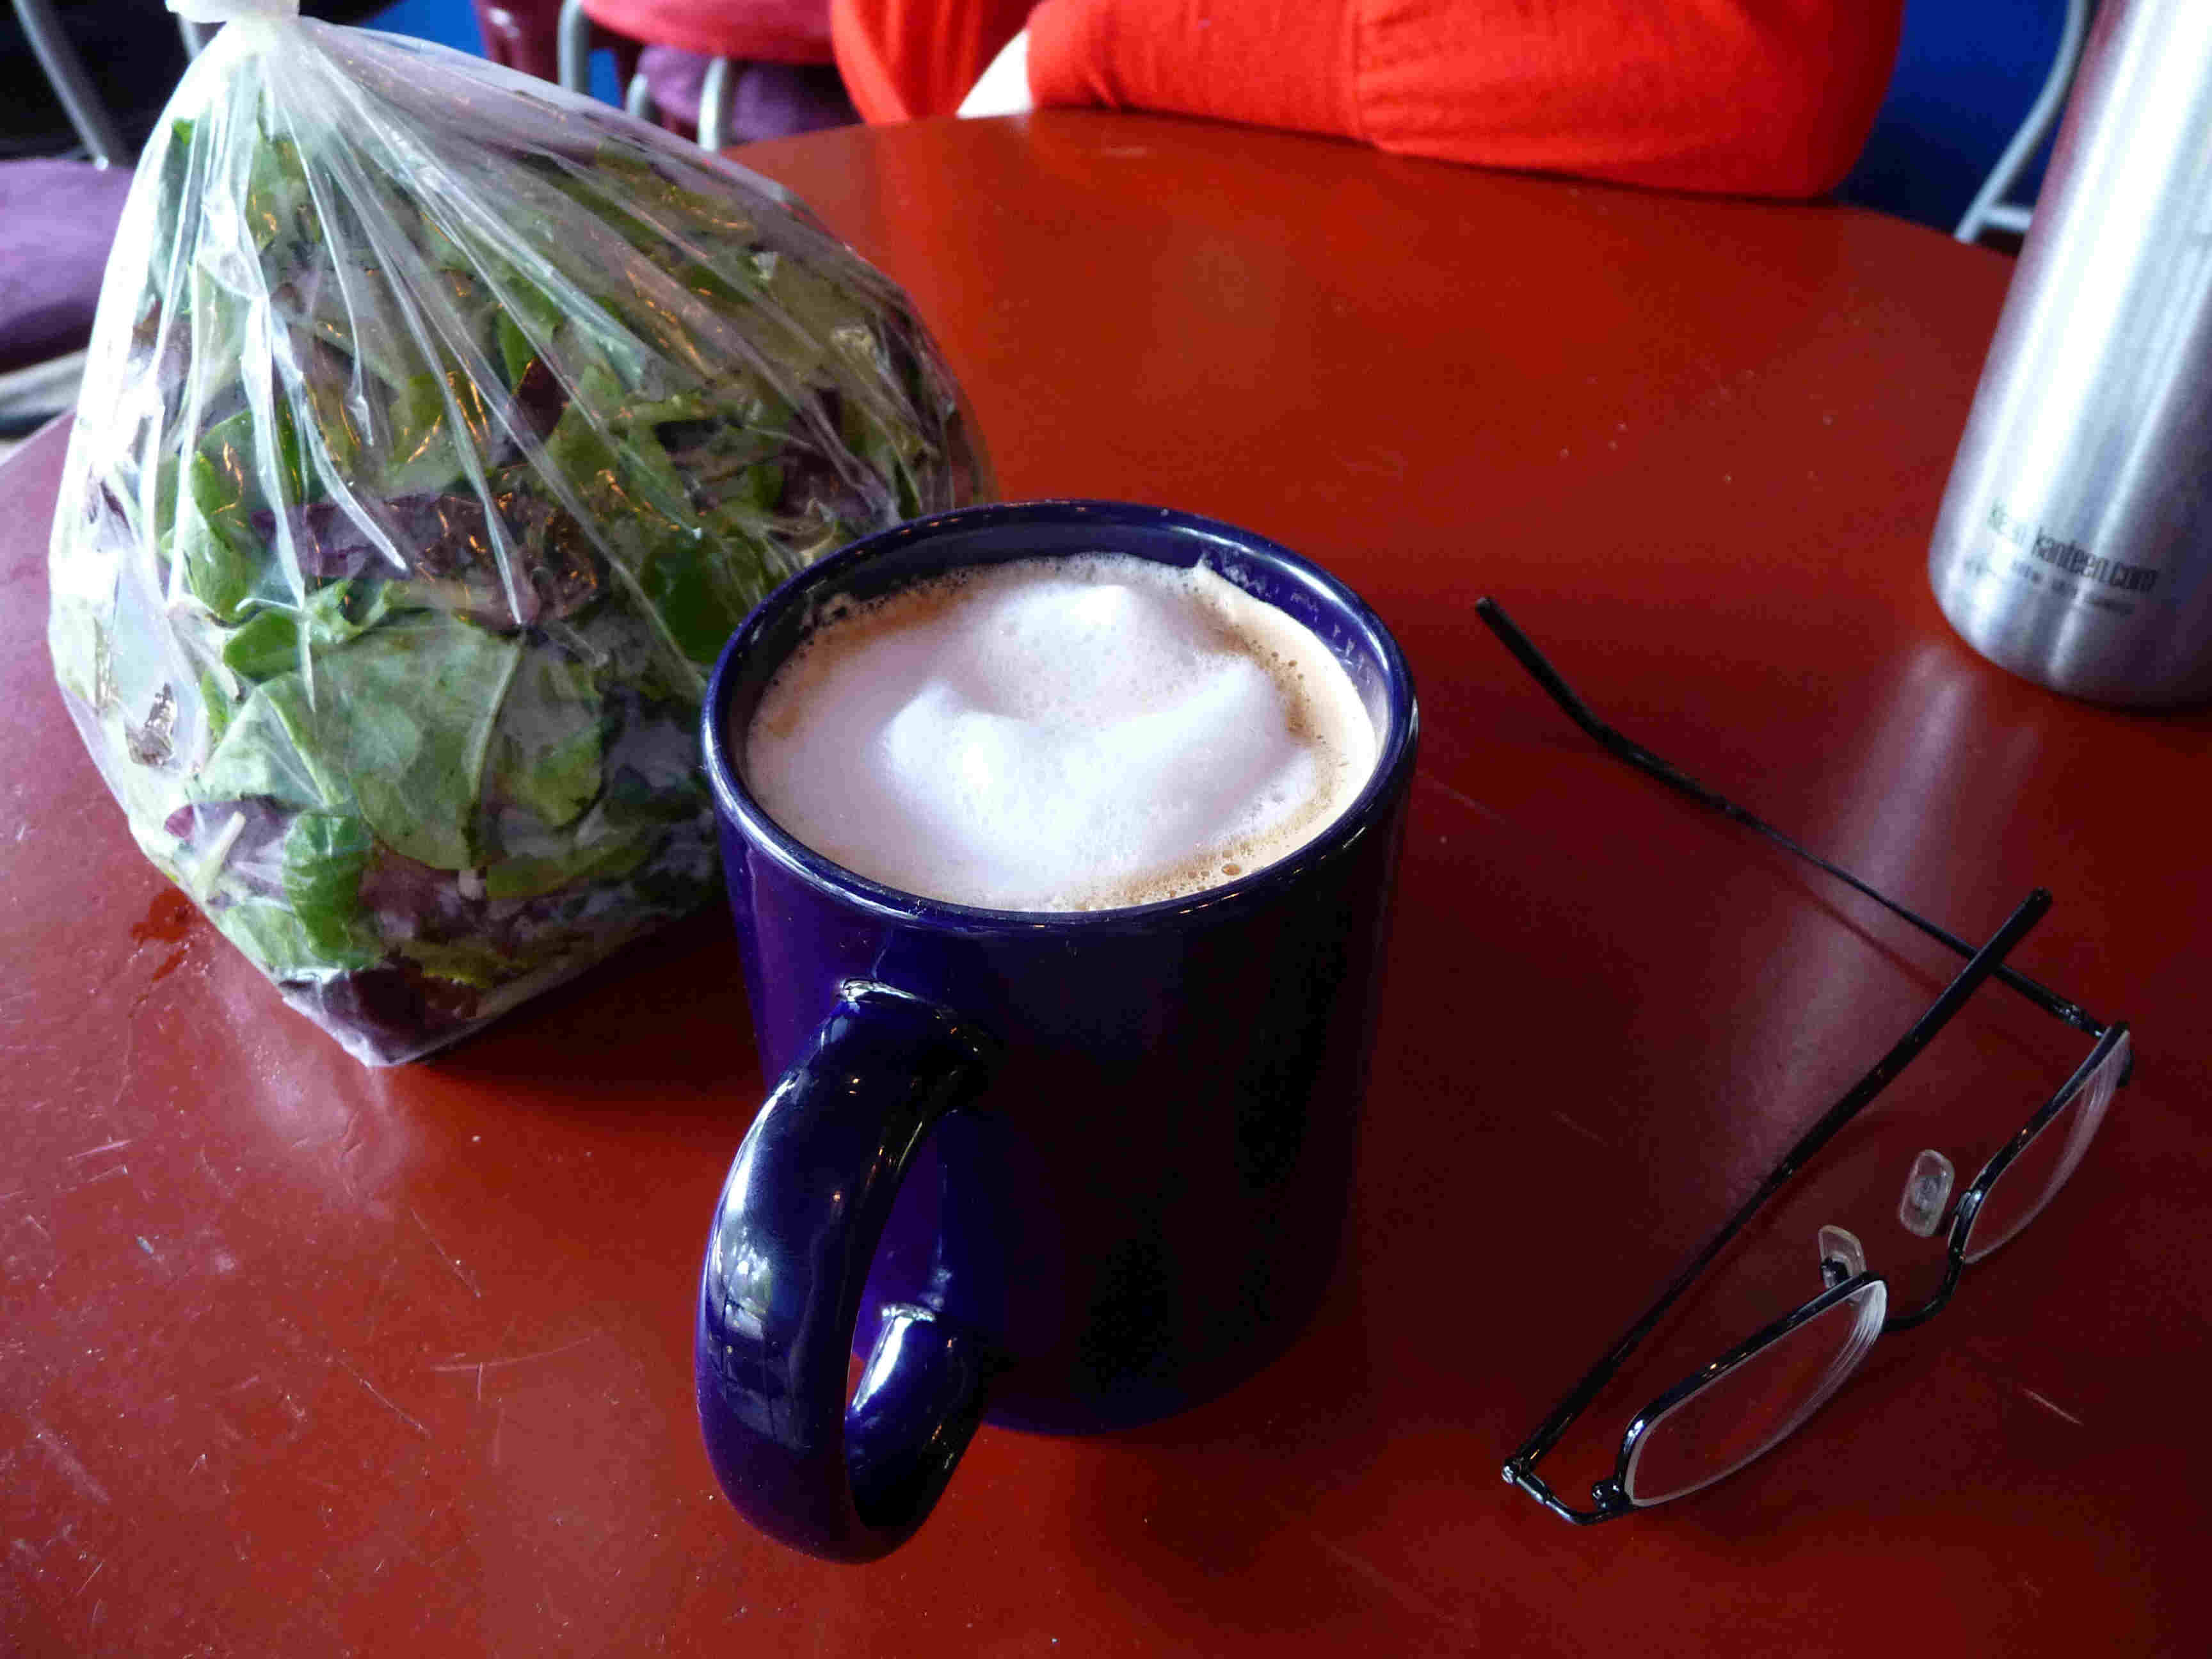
<point>300,1358</point>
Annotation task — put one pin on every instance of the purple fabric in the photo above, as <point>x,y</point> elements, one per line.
<point>774,100</point>
<point>58,220</point>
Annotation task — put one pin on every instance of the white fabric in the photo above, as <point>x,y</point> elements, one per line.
<point>1004,87</point>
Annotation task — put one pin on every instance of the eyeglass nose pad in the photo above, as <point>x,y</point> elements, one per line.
<point>1842,1256</point>
<point>1927,1190</point>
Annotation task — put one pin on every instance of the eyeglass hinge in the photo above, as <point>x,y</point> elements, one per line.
<point>1609,1497</point>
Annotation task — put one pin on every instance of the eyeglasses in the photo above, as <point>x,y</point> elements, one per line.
<point>1726,1413</point>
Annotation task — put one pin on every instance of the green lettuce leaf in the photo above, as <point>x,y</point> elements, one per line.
<point>548,753</point>
<point>324,857</point>
<point>412,708</point>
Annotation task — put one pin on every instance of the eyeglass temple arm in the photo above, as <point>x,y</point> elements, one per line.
<point>1636,755</point>
<point>1982,964</point>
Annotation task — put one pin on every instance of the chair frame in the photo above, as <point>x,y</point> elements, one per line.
<point>65,71</point>
<point>579,36</point>
<point>1992,208</point>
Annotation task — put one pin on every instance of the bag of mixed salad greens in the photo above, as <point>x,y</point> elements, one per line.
<point>438,426</point>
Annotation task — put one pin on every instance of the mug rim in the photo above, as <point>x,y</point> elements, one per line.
<point>734,804</point>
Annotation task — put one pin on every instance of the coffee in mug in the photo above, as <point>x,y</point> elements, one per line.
<point>1071,733</point>
<point>1071,1169</point>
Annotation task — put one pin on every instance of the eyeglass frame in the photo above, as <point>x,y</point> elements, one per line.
<point>1844,1279</point>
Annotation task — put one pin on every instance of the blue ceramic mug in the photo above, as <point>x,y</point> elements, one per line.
<point>1074,1169</point>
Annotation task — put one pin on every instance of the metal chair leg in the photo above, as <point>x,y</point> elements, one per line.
<point>80,100</point>
<point>575,46</point>
<point>1990,211</point>
<point>717,103</point>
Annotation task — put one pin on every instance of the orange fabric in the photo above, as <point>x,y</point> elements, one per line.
<point>1762,97</point>
<point>900,60</point>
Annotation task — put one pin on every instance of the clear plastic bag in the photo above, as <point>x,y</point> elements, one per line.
<point>438,428</point>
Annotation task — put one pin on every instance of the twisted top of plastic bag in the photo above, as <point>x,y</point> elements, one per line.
<point>233,11</point>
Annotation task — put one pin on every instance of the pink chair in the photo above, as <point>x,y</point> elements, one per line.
<point>736,38</point>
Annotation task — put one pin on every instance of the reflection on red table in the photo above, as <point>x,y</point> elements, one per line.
<point>299,1358</point>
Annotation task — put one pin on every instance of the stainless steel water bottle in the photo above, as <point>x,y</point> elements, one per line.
<point>2074,543</point>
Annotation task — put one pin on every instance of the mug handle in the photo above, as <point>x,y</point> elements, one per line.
<point>786,1263</point>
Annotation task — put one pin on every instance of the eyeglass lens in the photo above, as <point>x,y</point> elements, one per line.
<point>1763,1398</point>
<point>1756,1402</point>
<point>2018,1195</point>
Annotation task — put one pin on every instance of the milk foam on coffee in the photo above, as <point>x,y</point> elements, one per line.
<point>1058,734</point>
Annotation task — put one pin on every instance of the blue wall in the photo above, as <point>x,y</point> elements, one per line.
<point>1967,72</point>
<point>454,23</point>
<point>449,22</point>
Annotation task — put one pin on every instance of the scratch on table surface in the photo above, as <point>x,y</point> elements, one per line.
<point>93,1574</point>
<point>2054,1406</point>
<point>94,1152</point>
<point>58,1448</point>
<point>452,1262</point>
<point>1404,1596</point>
<point>480,1367</point>
<point>214,1179</point>
<point>130,1052</point>
<point>1386,463</point>
<point>375,1302</point>
<point>353,1141</point>
<point>1586,1132</point>
<point>383,1400</point>
<point>1461,797</point>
